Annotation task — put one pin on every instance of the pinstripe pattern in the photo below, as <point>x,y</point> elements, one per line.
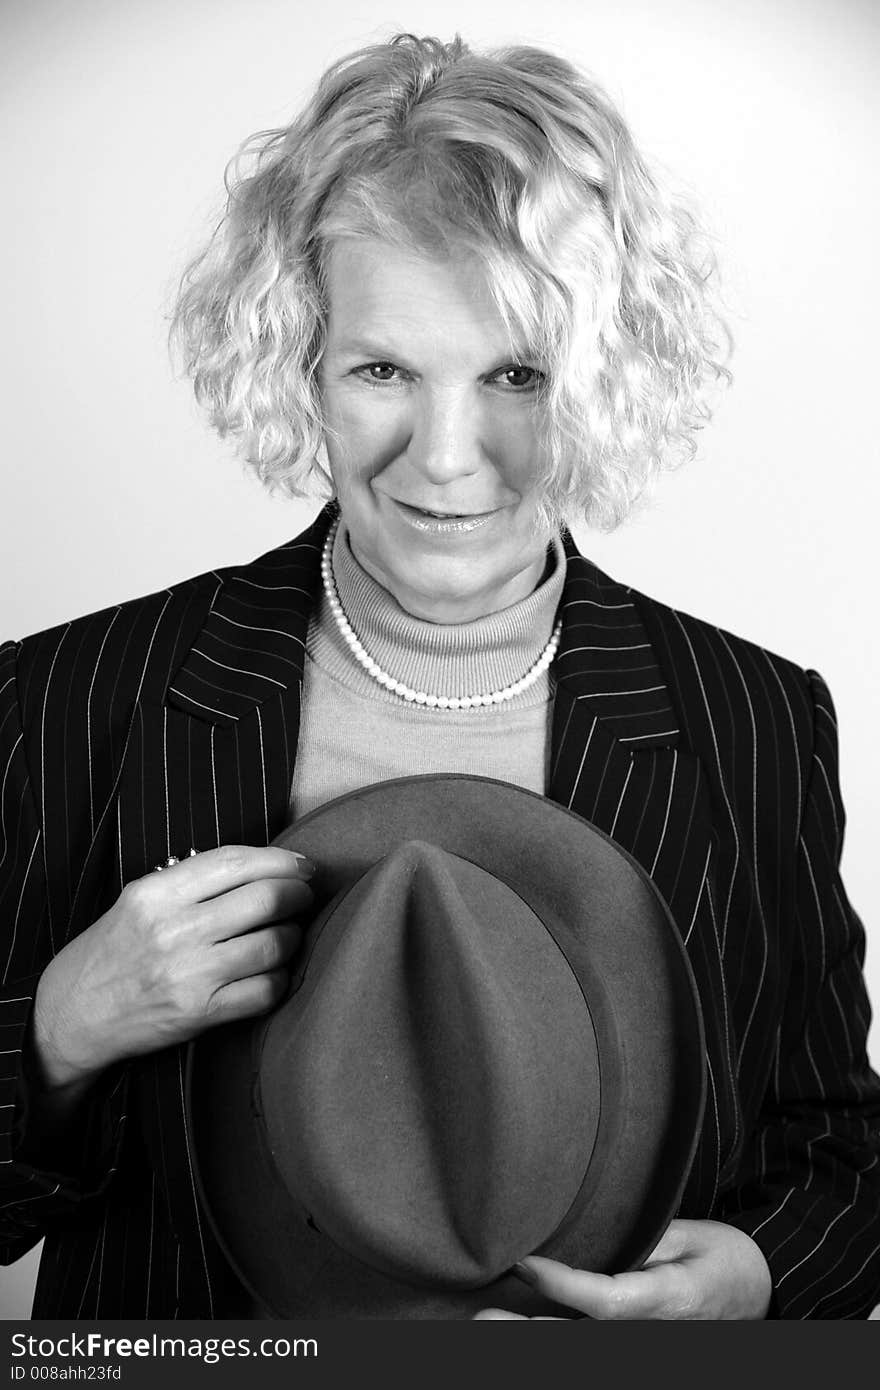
<point>173,720</point>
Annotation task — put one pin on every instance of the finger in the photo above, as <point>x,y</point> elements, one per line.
<point>215,871</point>
<point>257,952</point>
<point>257,994</point>
<point>485,1314</point>
<point>252,905</point>
<point>641,1294</point>
<point>672,1245</point>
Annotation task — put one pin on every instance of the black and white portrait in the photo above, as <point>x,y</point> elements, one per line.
<point>437,671</point>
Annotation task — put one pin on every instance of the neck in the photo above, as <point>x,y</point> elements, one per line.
<point>488,653</point>
<point>449,611</point>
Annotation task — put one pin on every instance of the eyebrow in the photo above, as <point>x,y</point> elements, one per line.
<point>364,347</point>
<point>375,351</point>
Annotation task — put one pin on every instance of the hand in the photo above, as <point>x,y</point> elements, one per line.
<point>698,1270</point>
<point>178,952</point>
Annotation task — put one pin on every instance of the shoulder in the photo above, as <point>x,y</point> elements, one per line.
<point>700,647</point>
<point>752,715</point>
<point>115,649</point>
<point>700,659</point>
<point>101,663</point>
<point>740,703</point>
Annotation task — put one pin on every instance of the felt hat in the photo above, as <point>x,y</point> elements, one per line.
<point>491,1047</point>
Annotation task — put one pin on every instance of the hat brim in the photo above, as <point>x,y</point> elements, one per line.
<point>620,939</point>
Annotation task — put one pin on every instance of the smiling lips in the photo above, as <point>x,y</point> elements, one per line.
<point>447,516</point>
<point>430,522</point>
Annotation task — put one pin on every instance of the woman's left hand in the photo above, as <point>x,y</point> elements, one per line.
<point>699,1269</point>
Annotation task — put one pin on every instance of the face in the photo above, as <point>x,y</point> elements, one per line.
<point>432,439</point>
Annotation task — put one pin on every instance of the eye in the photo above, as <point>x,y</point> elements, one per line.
<point>520,378</point>
<point>378,371</point>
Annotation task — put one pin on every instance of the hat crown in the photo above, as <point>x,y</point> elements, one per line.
<point>439,1064</point>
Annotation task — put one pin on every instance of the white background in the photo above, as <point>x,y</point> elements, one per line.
<point>116,120</point>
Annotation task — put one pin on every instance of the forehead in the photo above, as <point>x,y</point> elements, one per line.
<point>376,288</point>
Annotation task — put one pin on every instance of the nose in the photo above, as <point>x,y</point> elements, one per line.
<point>445,440</point>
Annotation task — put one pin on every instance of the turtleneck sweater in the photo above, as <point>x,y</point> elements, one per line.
<point>354,731</point>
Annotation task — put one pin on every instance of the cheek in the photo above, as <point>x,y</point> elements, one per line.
<point>345,441</point>
<point>358,439</point>
<point>517,454</point>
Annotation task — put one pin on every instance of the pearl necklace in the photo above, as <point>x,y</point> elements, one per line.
<point>405,692</point>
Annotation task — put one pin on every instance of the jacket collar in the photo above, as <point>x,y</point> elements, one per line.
<point>252,644</point>
<point>606,660</point>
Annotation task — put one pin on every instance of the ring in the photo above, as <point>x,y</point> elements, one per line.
<point>171,861</point>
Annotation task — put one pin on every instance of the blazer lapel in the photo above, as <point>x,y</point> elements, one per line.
<point>617,759</point>
<point>211,753</point>
<point>615,744</point>
<point>210,762</point>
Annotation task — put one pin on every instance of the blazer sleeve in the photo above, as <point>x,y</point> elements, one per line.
<point>808,1189</point>
<point>32,1196</point>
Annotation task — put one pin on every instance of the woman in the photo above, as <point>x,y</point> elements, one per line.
<point>452,288</point>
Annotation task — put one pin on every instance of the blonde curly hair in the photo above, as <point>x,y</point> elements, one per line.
<point>513,156</point>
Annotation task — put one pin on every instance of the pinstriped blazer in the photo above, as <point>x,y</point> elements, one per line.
<point>172,720</point>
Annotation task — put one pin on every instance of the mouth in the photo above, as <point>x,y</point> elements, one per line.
<point>439,524</point>
<point>472,515</point>
<point>443,515</point>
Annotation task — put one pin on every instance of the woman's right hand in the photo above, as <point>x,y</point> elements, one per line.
<point>206,941</point>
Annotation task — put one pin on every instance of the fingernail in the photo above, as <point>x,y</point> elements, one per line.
<point>525,1272</point>
<point>305,866</point>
